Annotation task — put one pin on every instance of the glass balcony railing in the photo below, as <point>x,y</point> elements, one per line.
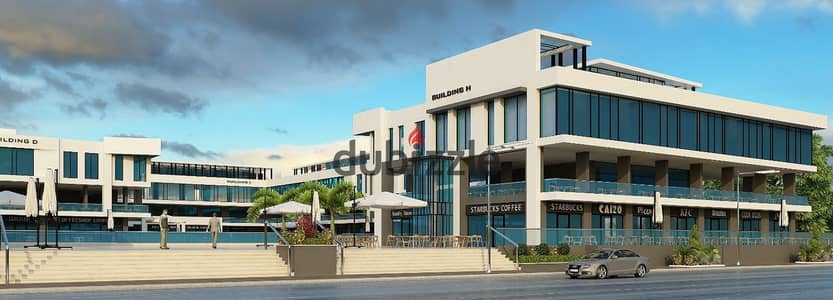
<point>130,208</point>
<point>656,237</point>
<point>79,207</point>
<point>615,188</point>
<point>499,189</point>
<point>68,236</point>
<point>10,206</point>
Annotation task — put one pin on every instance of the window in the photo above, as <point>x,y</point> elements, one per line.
<point>628,120</point>
<point>604,117</point>
<point>421,143</point>
<point>515,118</point>
<point>15,161</point>
<point>139,169</point>
<point>401,140</point>
<point>442,132</point>
<point>463,128</point>
<point>750,225</point>
<point>734,132</point>
<point>90,165</point>
<point>119,166</point>
<point>650,124</point>
<point>548,112</point>
<point>581,114</point>
<point>688,129</point>
<point>70,164</point>
<point>563,109</point>
<point>491,122</point>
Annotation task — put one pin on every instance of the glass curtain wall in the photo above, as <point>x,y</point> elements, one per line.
<point>441,133</point>
<point>514,114</point>
<point>576,112</point>
<point>432,182</point>
<point>463,128</point>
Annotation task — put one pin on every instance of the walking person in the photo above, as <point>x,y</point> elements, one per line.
<point>214,227</point>
<point>163,230</point>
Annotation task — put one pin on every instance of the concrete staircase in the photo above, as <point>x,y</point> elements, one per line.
<point>371,261</point>
<point>75,266</point>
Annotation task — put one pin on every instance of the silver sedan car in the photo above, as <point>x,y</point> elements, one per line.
<point>609,262</point>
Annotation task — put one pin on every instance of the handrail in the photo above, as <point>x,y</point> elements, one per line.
<point>288,246</point>
<point>5,242</point>
<point>517,261</point>
<point>339,245</point>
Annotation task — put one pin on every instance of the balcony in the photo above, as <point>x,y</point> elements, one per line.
<point>130,208</point>
<point>79,207</point>
<point>499,189</point>
<point>615,188</point>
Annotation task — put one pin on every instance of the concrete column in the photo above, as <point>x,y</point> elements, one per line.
<point>759,183</point>
<point>105,169</point>
<point>765,219</point>
<point>701,219</point>
<point>583,166</point>
<point>789,184</point>
<point>480,126</point>
<point>452,130</point>
<point>534,166</point>
<point>623,171</point>
<point>792,226</point>
<point>661,167</point>
<point>666,218</point>
<point>461,190</point>
<point>587,217</point>
<point>695,176</point>
<point>627,218</point>
<point>727,179</point>
<point>499,121</point>
<point>85,195</point>
<point>124,225</point>
<point>382,224</point>
<point>733,220</point>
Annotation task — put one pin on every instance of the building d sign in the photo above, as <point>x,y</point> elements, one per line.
<point>22,141</point>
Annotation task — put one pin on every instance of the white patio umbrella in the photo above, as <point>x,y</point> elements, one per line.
<point>288,208</point>
<point>316,207</point>
<point>784,218</point>
<point>30,206</point>
<point>657,209</point>
<point>50,197</point>
<point>110,221</point>
<point>387,200</point>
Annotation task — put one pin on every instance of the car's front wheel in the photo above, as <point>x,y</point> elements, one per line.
<point>573,276</point>
<point>601,272</point>
<point>641,270</point>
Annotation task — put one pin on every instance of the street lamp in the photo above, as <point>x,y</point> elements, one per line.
<point>737,202</point>
<point>489,153</point>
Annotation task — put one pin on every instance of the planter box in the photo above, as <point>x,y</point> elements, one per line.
<point>696,267</point>
<point>311,261</point>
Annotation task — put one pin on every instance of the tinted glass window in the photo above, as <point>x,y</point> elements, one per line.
<point>688,129</point>
<point>650,123</point>
<point>563,111</point>
<point>628,120</point>
<point>581,114</point>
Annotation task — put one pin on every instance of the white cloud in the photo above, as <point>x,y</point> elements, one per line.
<point>283,158</point>
<point>746,11</point>
<point>827,134</point>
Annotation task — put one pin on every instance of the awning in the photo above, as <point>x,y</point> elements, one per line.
<point>288,208</point>
<point>387,200</point>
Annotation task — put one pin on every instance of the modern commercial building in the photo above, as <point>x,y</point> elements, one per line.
<point>580,143</point>
<point>122,176</point>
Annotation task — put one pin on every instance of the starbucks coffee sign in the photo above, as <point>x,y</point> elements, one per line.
<point>497,208</point>
<point>718,213</point>
<point>609,209</point>
<point>565,207</point>
<point>750,215</point>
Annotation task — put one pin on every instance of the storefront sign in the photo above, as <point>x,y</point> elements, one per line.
<point>718,213</point>
<point>403,213</point>
<point>451,92</point>
<point>609,209</point>
<point>565,207</point>
<point>685,212</point>
<point>238,181</point>
<point>497,208</point>
<point>645,211</point>
<point>750,215</point>
<point>64,220</point>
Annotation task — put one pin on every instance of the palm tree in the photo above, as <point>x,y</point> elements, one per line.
<point>334,202</point>
<point>262,199</point>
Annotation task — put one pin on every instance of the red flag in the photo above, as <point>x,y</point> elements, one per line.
<point>415,137</point>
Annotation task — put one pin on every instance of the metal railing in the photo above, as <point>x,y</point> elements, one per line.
<point>630,189</point>
<point>499,189</point>
<point>288,247</point>
<point>517,258</point>
<point>5,242</point>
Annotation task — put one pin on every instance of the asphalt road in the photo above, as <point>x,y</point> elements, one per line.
<point>758,283</point>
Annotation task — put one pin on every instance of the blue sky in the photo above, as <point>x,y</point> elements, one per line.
<point>271,82</point>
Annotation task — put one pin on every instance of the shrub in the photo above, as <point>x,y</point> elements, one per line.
<point>563,249</point>
<point>543,249</point>
<point>523,249</point>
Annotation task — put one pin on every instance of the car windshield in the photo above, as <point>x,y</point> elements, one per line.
<point>604,254</point>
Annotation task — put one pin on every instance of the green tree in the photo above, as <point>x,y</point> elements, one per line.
<point>817,187</point>
<point>262,199</point>
<point>339,195</point>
